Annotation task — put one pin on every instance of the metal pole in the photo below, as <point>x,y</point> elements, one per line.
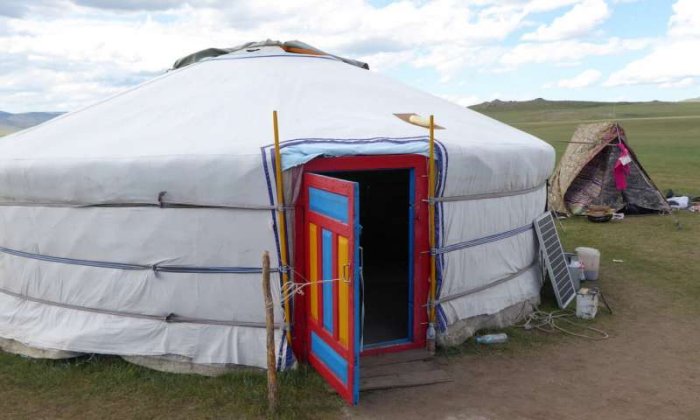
<point>282,221</point>
<point>270,330</point>
<point>430,336</point>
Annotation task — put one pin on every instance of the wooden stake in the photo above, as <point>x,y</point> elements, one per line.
<point>270,329</point>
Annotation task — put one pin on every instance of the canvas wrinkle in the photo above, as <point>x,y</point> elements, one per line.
<point>169,318</point>
<point>487,285</point>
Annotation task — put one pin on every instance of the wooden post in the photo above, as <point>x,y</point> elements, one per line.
<point>282,220</point>
<point>270,329</point>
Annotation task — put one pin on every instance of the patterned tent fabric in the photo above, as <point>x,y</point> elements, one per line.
<point>584,175</point>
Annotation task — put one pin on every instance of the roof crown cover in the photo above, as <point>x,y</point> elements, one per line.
<point>297,47</point>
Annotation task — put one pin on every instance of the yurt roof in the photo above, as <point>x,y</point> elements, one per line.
<point>199,127</point>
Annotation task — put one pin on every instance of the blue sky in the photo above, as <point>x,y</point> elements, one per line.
<point>65,54</point>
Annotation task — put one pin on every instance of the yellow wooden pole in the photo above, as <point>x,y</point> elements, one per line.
<point>431,233</point>
<point>282,222</point>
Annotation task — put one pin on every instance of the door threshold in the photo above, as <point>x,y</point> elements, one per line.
<point>393,348</point>
<point>389,343</point>
<point>401,370</point>
<point>382,359</point>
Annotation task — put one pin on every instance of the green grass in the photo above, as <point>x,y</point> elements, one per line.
<point>660,252</point>
<point>108,387</point>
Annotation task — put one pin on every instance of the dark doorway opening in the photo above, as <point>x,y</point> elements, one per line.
<point>386,201</point>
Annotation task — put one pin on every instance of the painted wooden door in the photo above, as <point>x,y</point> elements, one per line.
<point>332,240</point>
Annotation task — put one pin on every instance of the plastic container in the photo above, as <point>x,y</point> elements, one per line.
<point>575,269</point>
<point>492,338</point>
<point>586,303</point>
<point>590,258</point>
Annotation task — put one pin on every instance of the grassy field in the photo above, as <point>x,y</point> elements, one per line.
<point>666,138</point>
<point>108,387</point>
<point>658,254</point>
<point>664,135</point>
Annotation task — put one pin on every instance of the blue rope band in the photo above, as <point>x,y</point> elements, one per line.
<point>481,241</point>
<point>126,266</point>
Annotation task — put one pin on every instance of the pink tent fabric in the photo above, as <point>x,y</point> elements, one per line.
<point>622,167</point>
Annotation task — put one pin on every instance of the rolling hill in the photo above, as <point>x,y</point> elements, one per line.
<point>10,123</point>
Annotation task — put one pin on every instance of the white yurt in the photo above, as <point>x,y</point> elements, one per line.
<point>135,226</point>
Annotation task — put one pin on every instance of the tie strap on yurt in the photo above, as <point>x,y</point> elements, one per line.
<point>481,241</point>
<point>158,267</point>
<point>484,196</point>
<point>168,318</point>
<point>160,203</point>
<point>489,285</point>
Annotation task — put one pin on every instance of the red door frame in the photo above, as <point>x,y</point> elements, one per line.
<point>421,256</point>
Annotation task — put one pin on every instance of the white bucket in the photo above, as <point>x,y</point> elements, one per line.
<point>586,303</point>
<point>590,257</point>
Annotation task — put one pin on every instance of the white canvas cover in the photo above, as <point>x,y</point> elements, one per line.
<point>87,187</point>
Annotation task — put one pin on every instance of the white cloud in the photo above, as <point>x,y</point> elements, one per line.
<point>584,79</point>
<point>682,83</point>
<point>685,20</point>
<point>103,42</point>
<point>674,61</point>
<point>670,62</point>
<point>463,100</point>
<point>79,51</point>
<point>537,6</point>
<point>448,60</point>
<point>581,19</point>
<point>131,4</point>
<point>383,61</point>
<point>569,52</point>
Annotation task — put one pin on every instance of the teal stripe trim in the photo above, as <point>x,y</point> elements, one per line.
<point>328,309</point>
<point>329,204</point>
<point>330,358</point>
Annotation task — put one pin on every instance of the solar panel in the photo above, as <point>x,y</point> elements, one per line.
<point>554,258</point>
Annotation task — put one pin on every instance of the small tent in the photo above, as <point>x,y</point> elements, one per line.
<point>135,226</point>
<point>600,168</point>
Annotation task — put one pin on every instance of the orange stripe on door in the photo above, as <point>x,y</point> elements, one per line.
<point>343,291</point>
<point>313,270</point>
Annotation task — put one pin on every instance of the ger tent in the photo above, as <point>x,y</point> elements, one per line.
<point>600,168</point>
<point>135,226</point>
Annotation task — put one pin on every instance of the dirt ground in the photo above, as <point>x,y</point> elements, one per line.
<point>649,368</point>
